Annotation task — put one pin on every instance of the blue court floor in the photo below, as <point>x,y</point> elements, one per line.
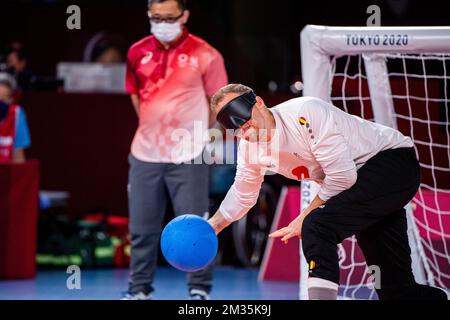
<point>229,284</point>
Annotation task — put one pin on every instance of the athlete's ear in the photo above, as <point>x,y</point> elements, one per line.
<point>184,19</point>
<point>259,102</point>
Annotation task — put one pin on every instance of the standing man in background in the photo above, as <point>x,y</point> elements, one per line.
<point>170,76</point>
<point>17,64</point>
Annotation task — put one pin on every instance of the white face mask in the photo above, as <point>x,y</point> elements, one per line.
<point>166,32</point>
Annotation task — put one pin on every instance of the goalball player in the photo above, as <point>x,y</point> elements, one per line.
<point>368,173</point>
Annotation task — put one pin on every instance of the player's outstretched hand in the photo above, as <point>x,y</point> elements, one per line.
<point>218,222</point>
<point>294,229</point>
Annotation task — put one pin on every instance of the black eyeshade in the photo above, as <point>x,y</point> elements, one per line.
<point>238,111</point>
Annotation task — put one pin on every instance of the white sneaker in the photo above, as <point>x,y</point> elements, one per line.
<point>196,294</point>
<point>136,296</point>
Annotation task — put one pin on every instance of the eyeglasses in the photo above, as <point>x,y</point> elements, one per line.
<point>159,19</point>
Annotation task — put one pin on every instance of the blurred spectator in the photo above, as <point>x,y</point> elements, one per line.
<point>103,49</point>
<point>106,52</point>
<point>16,63</point>
<point>14,134</point>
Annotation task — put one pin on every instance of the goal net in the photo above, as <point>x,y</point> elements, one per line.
<point>399,77</point>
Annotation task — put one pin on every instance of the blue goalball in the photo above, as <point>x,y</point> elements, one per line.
<point>189,243</point>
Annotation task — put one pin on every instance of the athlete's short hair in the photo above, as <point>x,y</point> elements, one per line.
<point>181,3</point>
<point>230,88</point>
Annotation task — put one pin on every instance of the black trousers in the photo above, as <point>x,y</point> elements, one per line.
<point>187,187</point>
<point>373,210</point>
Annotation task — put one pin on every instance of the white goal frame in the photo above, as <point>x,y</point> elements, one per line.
<point>319,44</point>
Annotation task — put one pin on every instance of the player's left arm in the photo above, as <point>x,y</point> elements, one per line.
<point>214,77</point>
<point>327,144</point>
<point>22,138</point>
<point>294,229</point>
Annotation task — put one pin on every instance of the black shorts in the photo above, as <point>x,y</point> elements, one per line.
<point>373,210</point>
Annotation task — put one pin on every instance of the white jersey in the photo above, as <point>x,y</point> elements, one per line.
<point>313,139</point>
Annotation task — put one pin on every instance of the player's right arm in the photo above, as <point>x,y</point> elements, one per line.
<point>131,80</point>
<point>218,222</point>
<point>135,101</point>
<point>242,195</point>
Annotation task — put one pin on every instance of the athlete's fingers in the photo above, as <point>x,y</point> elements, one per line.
<point>288,236</point>
<point>279,233</point>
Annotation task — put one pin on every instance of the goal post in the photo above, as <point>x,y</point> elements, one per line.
<point>319,43</point>
<point>371,85</point>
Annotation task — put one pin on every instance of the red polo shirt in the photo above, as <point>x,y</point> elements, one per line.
<point>7,134</point>
<point>173,85</point>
